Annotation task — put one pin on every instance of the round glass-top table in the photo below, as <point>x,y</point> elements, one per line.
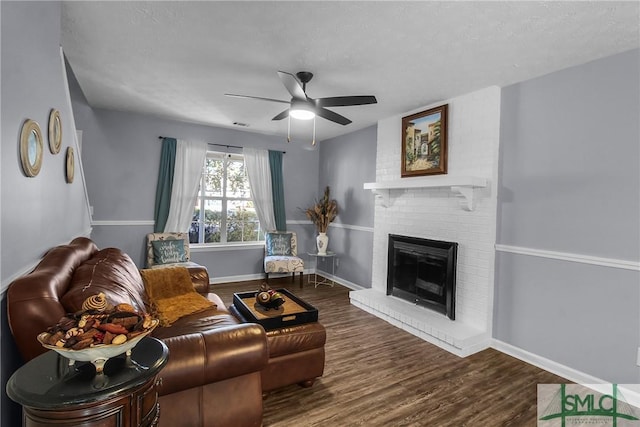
<point>50,384</point>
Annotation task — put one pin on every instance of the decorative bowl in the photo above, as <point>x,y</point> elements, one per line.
<point>100,353</point>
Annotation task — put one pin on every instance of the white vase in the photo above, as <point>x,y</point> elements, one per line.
<point>322,241</point>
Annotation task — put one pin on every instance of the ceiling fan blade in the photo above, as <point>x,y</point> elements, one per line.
<point>282,115</point>
<point>345,101</point>
<point>233,95</point>
<point>334,117</point>
<point>293,85</point>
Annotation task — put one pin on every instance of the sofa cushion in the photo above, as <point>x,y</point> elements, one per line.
<point>210,318</point>
<point>168,251</point>
<point>214,354</point>
<point>294,339</point>
<point>210,345</point>
<point>110,271</point>
<point>171,294</point>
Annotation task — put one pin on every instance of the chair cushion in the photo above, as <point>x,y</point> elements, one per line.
<point>283,264</point>
<point>188,264</point>
<point>168,251</point>
<point>172,295</point>
<point>278,244</point>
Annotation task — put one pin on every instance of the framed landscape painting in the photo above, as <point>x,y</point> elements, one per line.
<point>424,142</point>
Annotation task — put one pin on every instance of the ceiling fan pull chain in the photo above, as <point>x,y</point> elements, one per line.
<point>313,142</point>
<point>289,129</point>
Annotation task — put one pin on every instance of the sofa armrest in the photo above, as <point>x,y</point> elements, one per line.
<point>200,279</point>
<point>204,357</point>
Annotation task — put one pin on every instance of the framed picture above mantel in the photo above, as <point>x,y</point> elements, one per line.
<point>424,142</point>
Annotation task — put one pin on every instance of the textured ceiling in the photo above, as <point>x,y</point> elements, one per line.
<point>177,59</point>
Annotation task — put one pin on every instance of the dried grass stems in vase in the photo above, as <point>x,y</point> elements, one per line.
<point>323,212</point>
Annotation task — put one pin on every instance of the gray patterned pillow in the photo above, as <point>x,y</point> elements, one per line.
<point>168,251</point>
<point>279,244</point>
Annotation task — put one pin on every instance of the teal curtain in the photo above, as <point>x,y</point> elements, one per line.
<point>165,181</point>
<point>277,189</point>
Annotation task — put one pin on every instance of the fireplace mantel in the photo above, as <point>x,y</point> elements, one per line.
<point>462,186</point>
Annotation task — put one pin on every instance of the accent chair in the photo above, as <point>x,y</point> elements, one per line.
<point>281,254</point>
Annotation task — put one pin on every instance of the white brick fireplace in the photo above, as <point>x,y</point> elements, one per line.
<point>431,208</point>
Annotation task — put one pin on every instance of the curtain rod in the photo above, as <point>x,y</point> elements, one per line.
<point>221,145</point>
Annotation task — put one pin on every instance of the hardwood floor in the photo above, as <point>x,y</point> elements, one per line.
<point>379,375</point>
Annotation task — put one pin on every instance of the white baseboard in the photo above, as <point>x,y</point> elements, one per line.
<point>340,281</point>
<point>247,277</point>
<point>631,392</point>
<point>241,278</point>
<point>541,362</point>
<point>258,276</point>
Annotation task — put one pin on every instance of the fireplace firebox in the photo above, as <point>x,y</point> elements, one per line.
<point>423,271</point>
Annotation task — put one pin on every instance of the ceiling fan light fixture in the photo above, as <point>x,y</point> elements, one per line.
<point>301,111</point>
<point>302,114</point>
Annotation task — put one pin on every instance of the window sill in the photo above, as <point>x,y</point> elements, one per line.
<point>204,247</point>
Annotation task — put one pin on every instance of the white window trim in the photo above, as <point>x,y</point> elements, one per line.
<point>223,245</point>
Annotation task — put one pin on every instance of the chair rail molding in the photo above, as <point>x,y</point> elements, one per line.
<point>461,186</point>
<point>572,257</point>
<point>30,267</point>
<point>136,222</point>
<point>335,225</point>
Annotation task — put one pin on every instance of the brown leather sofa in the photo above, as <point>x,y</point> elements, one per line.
<point>213,377</point>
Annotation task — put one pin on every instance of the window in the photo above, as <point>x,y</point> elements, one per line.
<point>224,211</point>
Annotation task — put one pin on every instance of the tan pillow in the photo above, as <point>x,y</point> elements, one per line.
<point>171,294</point>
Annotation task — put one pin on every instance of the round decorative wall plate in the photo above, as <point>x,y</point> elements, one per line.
<point>31,148</point>
<point>55,131</point>
<point>70,164</point>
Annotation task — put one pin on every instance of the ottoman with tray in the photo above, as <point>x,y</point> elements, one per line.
<point>295,339</point>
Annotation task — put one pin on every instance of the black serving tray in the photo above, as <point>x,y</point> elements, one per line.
<point>293,312</point>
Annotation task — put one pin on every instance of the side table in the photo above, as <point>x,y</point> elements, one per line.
<point>52,392</point>
<point>313,278</point>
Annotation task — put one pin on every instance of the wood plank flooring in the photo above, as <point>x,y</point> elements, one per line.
<point>379,375</point>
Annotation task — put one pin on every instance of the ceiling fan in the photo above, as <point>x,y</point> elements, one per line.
<point>304,107</point>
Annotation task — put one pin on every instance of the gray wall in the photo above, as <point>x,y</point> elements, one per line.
<point>570,182</point>
<point>346,163</point>
<point>121,153</point>
<point>43,211</point>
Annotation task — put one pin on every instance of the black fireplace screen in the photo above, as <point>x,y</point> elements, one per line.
<point>423,271</point>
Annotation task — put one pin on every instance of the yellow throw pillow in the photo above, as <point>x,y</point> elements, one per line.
<point>171,294</point>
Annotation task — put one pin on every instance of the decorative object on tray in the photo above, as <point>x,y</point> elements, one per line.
<point>31,148</point>
<point>55,131</point>
<point>322,213</point>
<point>294,311</point>
<point>267,298</point>
<point>424,142</point>
<point>98,332</point>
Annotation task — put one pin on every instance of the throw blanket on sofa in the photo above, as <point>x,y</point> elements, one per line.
<point>171,294</point>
